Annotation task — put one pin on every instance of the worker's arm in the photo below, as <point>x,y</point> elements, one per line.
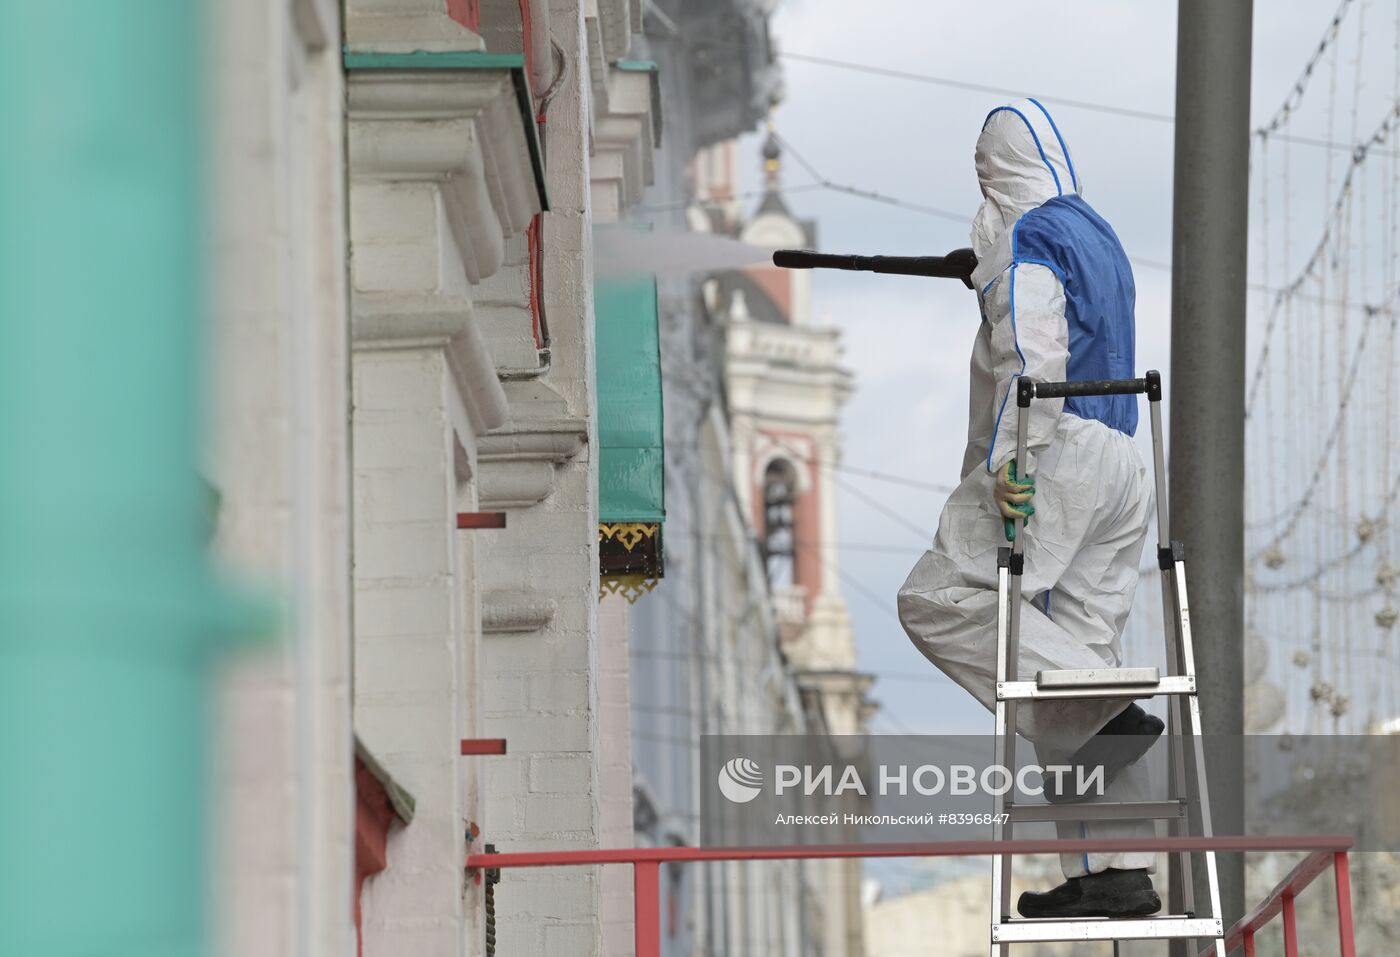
<point>1029,336</point>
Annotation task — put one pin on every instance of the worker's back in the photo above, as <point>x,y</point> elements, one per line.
<point>1066,235</point>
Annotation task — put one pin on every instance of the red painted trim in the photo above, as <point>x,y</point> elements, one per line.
<point>483,745</point>
<point>646,863</point>
<point>1346,935</point>
<point>527,35</point>
<point>534,237</point>
<point>373,817</point>
<point>1324,844</point>
<point>1280,901</point>
<point>1290,927</point>
<point>476,520</point>
<point>646,884</point>
<point>466,12</point>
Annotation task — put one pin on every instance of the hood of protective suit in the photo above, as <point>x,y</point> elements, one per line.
<point>1022,161</point>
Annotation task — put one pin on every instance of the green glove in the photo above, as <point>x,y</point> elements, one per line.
<point>1013,496</point>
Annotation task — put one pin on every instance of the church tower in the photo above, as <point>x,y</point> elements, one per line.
<point>785,388</point>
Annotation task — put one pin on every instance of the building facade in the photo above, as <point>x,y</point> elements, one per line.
<point>432,450</point>
<point>407,454</point>
<point>748,633</point>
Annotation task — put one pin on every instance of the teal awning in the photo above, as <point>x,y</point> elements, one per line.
<point>630,484</point>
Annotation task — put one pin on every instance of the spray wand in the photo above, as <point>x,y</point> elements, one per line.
<point>958,264</point>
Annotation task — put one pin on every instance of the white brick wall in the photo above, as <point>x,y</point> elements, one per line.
<point>278,455</point>
<point>541,688</point>
<point>615,774</point>
<point>423,676</point>
<point>411,646</point>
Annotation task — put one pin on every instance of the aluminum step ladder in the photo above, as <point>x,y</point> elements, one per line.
<point>1186,777</point>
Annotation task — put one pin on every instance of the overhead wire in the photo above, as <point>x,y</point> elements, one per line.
<point>860,193</point>
<point>1269,129</point>
<point>815,549</point>
<point>1330,343</point>
<point>974,87</point>
<point>873,195</point>
<point>1360,149</point>
<point>892,514</point>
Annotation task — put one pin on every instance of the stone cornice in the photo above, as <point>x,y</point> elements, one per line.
<point>462,119</point>
<point>626,101</point>
<point>391,320</point>
<point>610,24</point>
<point>402,26</point>
<point>555,441</point>
<point>518,460</point>
<point>626,130</point>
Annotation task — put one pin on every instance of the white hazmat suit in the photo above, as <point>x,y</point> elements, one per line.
<point>1056,295</point>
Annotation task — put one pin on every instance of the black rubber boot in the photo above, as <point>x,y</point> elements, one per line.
<point>1118,744</point>
<point>1110,893</point>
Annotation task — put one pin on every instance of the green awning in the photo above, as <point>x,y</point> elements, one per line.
<point>631,485</point>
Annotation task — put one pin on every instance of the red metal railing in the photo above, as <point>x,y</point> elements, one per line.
<point>646,867</point>
<point>1280,900</point>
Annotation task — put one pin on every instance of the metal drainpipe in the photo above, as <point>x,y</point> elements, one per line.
<point>109,618</point>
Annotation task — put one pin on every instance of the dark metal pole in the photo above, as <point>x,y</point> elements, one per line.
<point>1209,230</point>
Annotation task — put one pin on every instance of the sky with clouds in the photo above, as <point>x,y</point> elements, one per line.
<point>907,340</point>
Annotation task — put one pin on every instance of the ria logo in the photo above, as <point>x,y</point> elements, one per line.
<point>740,780</point>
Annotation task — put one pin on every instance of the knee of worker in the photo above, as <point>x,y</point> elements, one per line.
<point>937,613</point>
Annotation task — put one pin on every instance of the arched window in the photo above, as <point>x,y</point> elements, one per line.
<point>779,492</point>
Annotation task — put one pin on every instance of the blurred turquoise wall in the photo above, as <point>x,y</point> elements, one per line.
<point>108,615</point>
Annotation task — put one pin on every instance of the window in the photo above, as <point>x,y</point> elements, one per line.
<point>779,491</point>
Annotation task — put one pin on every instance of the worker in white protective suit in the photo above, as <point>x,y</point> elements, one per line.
<point>1057,301</point>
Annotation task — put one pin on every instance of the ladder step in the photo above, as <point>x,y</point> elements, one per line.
<point>1097,677</point>
<point>1107,811</point>
<point>1176,926</point>
<point>1033,690</point>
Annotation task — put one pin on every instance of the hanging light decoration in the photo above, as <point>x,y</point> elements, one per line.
<point>1386,574</point>
<point>1365,529</point>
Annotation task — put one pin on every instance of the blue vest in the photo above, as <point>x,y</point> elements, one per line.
<point>1067,236</point>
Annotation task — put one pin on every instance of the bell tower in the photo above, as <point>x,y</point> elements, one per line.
<point>786,387</point>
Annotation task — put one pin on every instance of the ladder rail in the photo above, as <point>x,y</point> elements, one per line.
<point>1159,457</point>
<point>1188,790</point>
<point>1193,709</point>
<point>1181,891</point>
<point>1004,752</point>
<point>1009,668</point>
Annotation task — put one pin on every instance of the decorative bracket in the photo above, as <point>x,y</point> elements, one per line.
<point>630,558</point>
